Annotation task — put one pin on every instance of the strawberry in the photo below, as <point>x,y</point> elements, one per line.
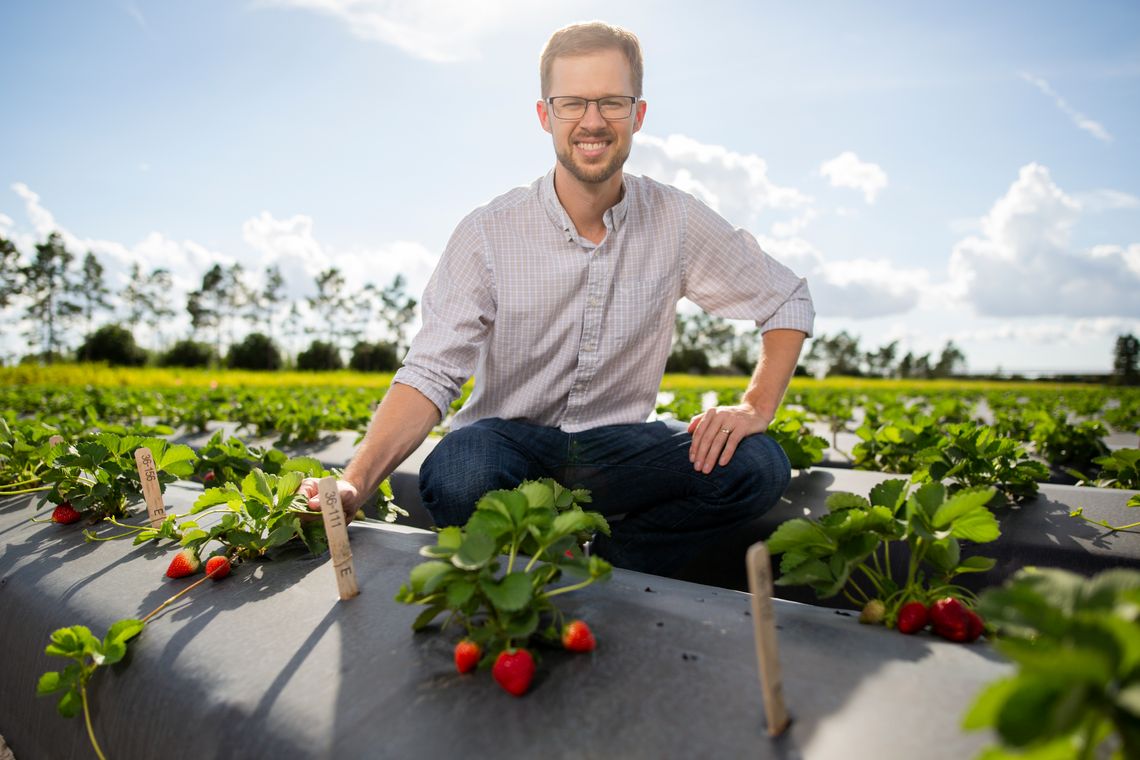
<point>577,637</point>
<point>948,619</point>
<point>209,477</point>
<point>218,567</point>
<point>873,612</point>
<point>974,625</point>
<point>912,617</point>
<point>513,670</point>
<point>65,514</point>
<point>467,655</point>
<point>185,563</point>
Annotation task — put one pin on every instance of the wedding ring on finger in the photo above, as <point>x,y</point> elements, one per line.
<point>726,431</point>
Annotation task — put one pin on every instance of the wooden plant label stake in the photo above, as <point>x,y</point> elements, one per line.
<point>764,622</point>
<point>337,531</point>
<point>148,476</point>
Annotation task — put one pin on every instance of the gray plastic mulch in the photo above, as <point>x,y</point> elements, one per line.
<point>269,664</point>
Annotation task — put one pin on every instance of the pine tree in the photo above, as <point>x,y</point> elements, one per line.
<point>53,289</point>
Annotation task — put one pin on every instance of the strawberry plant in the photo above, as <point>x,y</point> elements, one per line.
<point>1076,644</point>
<point>1117,469</point>
<point>894,446</point>
<point>89,653</point>
<point>1066,445</point>
<point>790,430</point>
<point>265,513</point>
<point>537,527</point>
<point>100,478</point>
<point>849,549</point>
<point>23,448</point>
<point>970,454</point>
<point>229,460</point>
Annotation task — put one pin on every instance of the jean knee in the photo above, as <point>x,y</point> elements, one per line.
<point>762,474</point>
<point>464,465</point>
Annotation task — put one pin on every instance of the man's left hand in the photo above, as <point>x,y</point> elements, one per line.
<point>719,430</point>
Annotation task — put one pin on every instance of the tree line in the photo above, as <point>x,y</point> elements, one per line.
<point>70,312</point>
<point>60,298</point>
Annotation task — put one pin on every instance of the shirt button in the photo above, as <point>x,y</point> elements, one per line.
<point>593,302</point>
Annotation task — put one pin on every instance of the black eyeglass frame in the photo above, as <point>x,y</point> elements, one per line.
<point>633,99</point>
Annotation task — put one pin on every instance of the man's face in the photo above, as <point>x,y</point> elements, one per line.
<point>591,148</point>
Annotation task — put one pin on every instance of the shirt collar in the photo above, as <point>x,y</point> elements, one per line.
<point>614,217</point>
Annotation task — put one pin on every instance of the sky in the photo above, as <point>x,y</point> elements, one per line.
<point>937,171</point>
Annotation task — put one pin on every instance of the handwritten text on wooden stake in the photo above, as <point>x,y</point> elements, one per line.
<point>337,531</point>
<point>152,493</point>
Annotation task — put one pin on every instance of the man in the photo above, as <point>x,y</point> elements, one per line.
<point>560,299</point>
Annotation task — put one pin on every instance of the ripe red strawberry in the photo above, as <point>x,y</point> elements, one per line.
<point>912,617</point>
<point>513,670</point>
<point>974,625</point>
<point>467,655</point>
<point>65,514</point>
<point>217,567</point>
<point>185,563</point>
<point>209,477</point>
<point>577,637</point>
<point>948,619</point>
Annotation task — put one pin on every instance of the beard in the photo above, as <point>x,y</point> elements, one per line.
<point>591,174</point>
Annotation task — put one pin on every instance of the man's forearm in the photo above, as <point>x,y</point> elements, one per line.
<point>774,370</point>
<point>400,424</point>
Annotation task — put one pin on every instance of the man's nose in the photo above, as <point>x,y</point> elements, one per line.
<point>593,117</point>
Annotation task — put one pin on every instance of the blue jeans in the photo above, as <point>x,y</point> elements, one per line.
<point>661,510</point>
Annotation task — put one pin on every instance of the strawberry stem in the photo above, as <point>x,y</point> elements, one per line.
<point>87,718</point>
<point>24,491</point>
<point>181,593</point>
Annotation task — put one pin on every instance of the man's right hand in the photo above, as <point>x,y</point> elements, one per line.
<point>350,497</point>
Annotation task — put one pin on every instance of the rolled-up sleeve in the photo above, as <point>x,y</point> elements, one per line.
<point>457,310</point>
<point>728,274</point>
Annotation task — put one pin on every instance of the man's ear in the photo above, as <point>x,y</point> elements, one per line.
<point>543,114</point>
<point>638,115</point>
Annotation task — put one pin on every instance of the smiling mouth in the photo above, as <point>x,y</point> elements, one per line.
<point>593,148</point>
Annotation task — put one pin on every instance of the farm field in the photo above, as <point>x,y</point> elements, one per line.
<point>904,493</point>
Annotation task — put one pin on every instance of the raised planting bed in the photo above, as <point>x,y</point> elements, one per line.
<point>268,663</point>
<point>1037,532</point>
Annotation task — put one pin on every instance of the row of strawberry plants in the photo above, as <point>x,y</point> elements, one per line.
<point>501,606</point>
<point>495,577</point>
<point>1075,641</point>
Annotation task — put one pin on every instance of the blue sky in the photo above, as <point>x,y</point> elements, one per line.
<point>963,171</point>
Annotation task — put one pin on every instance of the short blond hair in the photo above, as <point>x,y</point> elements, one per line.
<point>591,37</point>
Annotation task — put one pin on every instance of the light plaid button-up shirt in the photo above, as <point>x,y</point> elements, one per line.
<point>564,333</point>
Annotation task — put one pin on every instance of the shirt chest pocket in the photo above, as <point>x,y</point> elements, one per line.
<point>640,308</point>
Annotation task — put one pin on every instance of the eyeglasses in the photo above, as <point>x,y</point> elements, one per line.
<point>612,108</point>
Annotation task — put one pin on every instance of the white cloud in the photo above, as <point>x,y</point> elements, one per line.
<point>1074,333</point>
<point>292,246</point>
<point>1094,128</point>
<point>734,184</point>
<point>846,170</point>
<point>1024,263</point>
<point>443,31</point>
<point>795,225</point>
<point>5,224</point>
<point>1099,201</point>
<point>854,289</point>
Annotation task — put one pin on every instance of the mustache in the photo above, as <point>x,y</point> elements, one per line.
<point>587,135</point>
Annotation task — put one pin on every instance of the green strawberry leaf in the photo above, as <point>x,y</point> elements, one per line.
<point>475,552</point>
<point>796,533</point>
<point>961,504</point>
<point>509,594</point>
